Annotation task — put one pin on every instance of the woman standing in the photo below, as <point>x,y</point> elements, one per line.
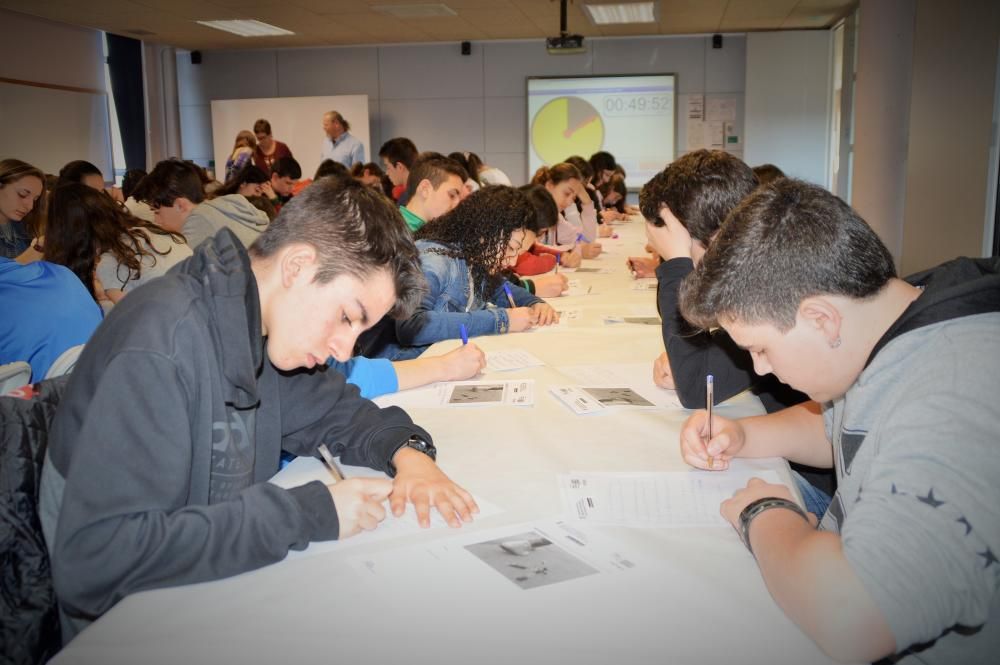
<point>242,154</point>
<point>268,150</point>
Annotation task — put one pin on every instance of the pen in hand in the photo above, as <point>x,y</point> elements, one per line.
<point>464,333</point>
<point>330,463</point>
<point>709,400</point>
<point>510,295</point>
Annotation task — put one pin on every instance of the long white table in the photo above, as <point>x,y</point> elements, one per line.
<point>694,595</point>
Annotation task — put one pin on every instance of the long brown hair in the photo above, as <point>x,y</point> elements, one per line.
<point>85,223</point>
<point>12,170</point>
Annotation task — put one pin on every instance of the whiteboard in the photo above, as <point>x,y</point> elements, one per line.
<point>296,121</point>
<point>48,126</point>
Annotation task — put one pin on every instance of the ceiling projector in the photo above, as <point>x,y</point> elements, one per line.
<point>564,44</point>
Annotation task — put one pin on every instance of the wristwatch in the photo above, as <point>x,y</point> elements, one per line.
<point>418,443</point>
<point>760,505</point>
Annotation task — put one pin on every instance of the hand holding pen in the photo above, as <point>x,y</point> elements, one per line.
<point>712,453</point>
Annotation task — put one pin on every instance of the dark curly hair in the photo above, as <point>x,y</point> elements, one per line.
<point>85,223</point>
<point>478,230</point>
<point>701,188</point>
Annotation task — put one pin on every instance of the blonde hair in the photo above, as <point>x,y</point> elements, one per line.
<point>245,139</point>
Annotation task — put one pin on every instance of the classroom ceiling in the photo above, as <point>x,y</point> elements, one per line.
<point>348,22</point>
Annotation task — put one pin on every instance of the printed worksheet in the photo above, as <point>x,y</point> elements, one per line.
<point>460,394</point>
<point>654,500</point>
<point>575,288</point>
<point>596,399</point>
<point>511,359</point>
<point>638,376</point>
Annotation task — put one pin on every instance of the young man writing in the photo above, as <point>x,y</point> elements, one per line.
<point>182,402</point>
<point>905,564</point>
<point>434,187</point>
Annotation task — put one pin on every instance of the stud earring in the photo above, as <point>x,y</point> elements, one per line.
<point>835,343</point>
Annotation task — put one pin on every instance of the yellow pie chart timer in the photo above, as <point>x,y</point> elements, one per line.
<point>566,126</point>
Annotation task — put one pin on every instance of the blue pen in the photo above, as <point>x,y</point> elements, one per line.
<point>465,334</point>
<point>558,260</point>
<point>510,296</point>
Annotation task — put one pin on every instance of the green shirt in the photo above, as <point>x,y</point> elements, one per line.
<point>412,220</point>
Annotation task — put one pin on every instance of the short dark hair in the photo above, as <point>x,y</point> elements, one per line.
<point>170,180</point>
<point>250,174</point>
<point>262,127</point>
<point>434,167</point>
<point>603,161</point>
<point>76,171</point>
<point>286,167</point>
<point>546,212</point>
<point>788,241</point>
<point>399,150</point>
<point>700,188</point>
<point>329,167</point>
<point>582,165</point>
<point>131,178</point>
<point>356,231</point>
<point>767,172</point>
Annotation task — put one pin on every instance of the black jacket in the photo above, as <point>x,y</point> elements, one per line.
<point>172,422</point>
<point>694,354</point>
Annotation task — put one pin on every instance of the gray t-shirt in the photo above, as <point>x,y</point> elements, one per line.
<point>114,275</point>
<point>917,451</point>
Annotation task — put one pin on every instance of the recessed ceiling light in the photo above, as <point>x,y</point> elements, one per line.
<point>429,10</point>
<point>247,28</point>
<point>631,12</point>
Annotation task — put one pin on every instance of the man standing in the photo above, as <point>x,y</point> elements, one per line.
<point>339,145</point>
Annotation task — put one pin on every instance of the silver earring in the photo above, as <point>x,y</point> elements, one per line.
<point>835,343</point>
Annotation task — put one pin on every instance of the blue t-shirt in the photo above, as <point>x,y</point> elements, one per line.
<point>372,376</point>
<point>46,311</point>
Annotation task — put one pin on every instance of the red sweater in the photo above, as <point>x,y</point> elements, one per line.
<point>536,261</point>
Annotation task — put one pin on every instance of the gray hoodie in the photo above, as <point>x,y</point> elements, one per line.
<point>233,212</point>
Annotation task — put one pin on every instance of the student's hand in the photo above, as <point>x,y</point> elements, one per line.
<point>728,438</point>
<point>544,314</point>
<point>359,503</point>
<point>671,240</point>
<point>267,192</point>
<point>463,363</point>
<point>572,258</point>
<point>661,373</point>
<point>755,489</point>
<point>642,266</point>
<point>115,193</point>
<point>605,231</point>
<point>551,285</point>
<point>520,319</point>
<point>420,481</point>
<point>590,250</point>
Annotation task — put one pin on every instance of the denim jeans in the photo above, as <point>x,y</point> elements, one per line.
<point>816,500</point>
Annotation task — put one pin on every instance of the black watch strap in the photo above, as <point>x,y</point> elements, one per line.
<point>419,444</point>
<point>760,505</point>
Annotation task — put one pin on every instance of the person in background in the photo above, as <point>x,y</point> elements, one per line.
<point>398,156</point>
<point>279,189</point>
<point>464,254</point>
<point>372,175</point>
<point>248,181</point>
<point>471,182</point>
<point>435,186</point>
<point>82,172</point>
<point>241,155</point>
<point>603,165</point>
<point>174,190</point>
<point>486,174</point>
<point>767,173</point>
<point>904,565</point>
<point>54,312</point>
<point>22,206</point>
<point>130,181</point>
<point>182,402</point>
<point>95,237</point>
<point>549,285</point>
<point>268,150</point>
<point>339,145</point>
<point>565,183</point>
<point>583,212</point>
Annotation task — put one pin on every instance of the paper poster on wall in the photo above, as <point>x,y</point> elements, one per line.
<point>695,107</point>
<point>696,135</point>
<point>720,109</point>
<point>714,135</point>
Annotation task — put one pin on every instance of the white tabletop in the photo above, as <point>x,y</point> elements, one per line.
<point>694,595</point>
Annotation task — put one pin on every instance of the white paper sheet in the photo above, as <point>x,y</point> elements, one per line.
<point>511,359</point>
<point>636,375</point>
<point>463,394</point>
<point>654,500</point>
<point>596,399</point>
<point>306,469</point>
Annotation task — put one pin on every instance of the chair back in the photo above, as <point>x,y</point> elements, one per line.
<point>14,375</point>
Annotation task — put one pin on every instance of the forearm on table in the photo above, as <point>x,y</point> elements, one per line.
<point>812,581</point>
<point>420,371</point>
<point>795,433</point>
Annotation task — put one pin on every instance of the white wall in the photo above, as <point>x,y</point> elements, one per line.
<point>66,125</point>
<point>441,99</point>
<point>788,98</point>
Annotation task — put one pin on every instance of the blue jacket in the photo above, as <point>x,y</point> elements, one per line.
<point>450,301</point>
